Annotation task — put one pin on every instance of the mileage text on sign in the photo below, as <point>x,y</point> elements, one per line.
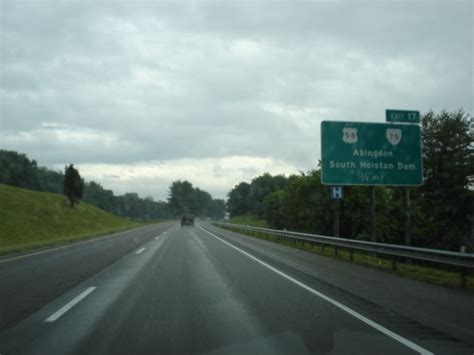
<point>359,153</point>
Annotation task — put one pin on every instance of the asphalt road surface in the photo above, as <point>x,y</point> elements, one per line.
<point>168,289</point>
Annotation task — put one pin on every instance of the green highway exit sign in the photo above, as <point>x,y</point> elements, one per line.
<point>402,116</point>
<point>359,153</point>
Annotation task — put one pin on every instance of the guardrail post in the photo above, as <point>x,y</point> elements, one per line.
<point>335,251</point>
<point>337,217</point>
<point>394,263</point>
<point>352,254</point>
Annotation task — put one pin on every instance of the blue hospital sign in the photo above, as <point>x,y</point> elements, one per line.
<point>336,192</point>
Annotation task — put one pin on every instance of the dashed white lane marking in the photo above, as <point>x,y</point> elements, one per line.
<point>339,305</point>
<point>139,251</point>
<point>68,306</point>
<point>156,238</point>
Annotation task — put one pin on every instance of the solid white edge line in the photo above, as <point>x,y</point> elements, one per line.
<point>68,306</point>
<point>139,251</point>
<point>339,305</point>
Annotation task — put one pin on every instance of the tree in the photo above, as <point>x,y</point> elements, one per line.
<point>448,160</point>
<point>17,170</point>
<point>95,194</point>
<point>260,187</point>
<point>51,181</point>
<point>237,200</point>
<point>307,206</point>
<point>133,205</point>
<point>272,209</point>
<point>217,209</point>
<point>185,198</point>
<point>73,185</point>
<point>355,212</point>
<point>201,202</point>
<point>181,197</point>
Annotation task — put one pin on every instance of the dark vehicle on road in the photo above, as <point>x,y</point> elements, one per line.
<point>187,220</point>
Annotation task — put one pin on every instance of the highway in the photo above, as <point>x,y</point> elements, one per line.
<point>167,289</point>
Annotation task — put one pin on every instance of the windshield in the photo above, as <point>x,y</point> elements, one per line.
<point>236,177</point>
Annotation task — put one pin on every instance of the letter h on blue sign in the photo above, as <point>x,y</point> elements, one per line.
<point>336,192</point>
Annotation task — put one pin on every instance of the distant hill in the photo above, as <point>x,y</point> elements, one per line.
<point>31,219</point>
<point>16,169</point>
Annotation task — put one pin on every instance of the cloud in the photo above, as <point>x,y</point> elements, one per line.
<point>138,82</point>
<point>154,177</point>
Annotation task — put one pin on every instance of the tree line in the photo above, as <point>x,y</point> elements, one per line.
<point>17,169</point>
<point>185,198</point>
<point>442,208</point>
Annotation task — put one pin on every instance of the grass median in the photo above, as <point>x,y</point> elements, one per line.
<point>430,274</point>
<point>249,220</point>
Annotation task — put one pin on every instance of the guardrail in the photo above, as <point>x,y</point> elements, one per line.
<point>464,261</point>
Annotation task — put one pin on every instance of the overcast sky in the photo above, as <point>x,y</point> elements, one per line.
<point>139,94</point>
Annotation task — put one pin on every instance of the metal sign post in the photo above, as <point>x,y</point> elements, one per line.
<point>337,218</point>
<point>373,217</point>
<point>407,212</point>
<point>337,194</point>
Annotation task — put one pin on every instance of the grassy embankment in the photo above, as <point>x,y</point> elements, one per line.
<point>249,220</point>
<point>424,273</point>
<point>31,219</point>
